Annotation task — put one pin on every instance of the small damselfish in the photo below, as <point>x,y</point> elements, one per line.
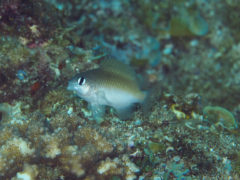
<point>112,84</point>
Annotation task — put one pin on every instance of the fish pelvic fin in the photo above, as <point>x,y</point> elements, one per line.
<point>98,112</point>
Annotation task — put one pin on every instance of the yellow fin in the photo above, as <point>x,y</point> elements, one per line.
<point>118,68</point>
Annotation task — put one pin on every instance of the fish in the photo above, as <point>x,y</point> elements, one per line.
<point>112,84</point>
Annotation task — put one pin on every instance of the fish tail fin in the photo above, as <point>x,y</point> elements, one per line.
<point>147,103</point>
<point>149,100</point>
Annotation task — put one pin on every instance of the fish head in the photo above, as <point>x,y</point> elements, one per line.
<point>79,85</point>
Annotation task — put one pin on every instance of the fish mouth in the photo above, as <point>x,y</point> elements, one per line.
<point>70,86</point>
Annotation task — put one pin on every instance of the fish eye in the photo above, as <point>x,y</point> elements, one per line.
<point>81,81</point>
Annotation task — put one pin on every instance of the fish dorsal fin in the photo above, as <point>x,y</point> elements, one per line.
<point>118,68</point>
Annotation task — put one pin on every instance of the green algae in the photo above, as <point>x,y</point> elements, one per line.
<point>179,27</point>
<point>188,22</point>
<point>220,116</point>
<point>4,112</point>
<point>156,147</point>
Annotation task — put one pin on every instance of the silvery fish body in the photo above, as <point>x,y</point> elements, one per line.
<point>112,84</point>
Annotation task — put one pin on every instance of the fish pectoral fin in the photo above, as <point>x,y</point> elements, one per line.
<point>125,113</point>
<point>98,112</point>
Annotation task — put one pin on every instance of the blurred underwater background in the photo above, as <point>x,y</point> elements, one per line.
<point>186,55</point>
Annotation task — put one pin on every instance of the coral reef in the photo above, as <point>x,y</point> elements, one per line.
<point>186,56</point>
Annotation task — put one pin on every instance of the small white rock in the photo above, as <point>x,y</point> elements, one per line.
<point>70,110</point>
<point>23,176</point>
